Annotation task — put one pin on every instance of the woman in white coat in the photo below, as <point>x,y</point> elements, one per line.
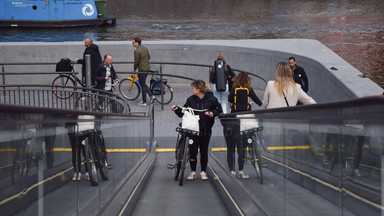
<point>284,91</point>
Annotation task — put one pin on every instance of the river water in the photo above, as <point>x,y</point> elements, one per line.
<point>354,29</point>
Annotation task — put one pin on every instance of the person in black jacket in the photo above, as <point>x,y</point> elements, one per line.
<point>93,50</point>
<point>228,75</point>
<point>201,99</point>
<point>299,75</point>
<point>232,128</point>
<point>105,74</point>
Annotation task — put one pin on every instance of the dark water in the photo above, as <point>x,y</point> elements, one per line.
<point>353,29</point>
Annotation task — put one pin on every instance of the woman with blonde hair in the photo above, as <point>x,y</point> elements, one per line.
<point>284,92</point>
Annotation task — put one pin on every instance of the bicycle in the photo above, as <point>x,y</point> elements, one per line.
<point>95,155</point>
<point>96,102</point>
<point>182,150</point>
<point>253,149</point>
<point>67,81</point>
<point>131,89</point>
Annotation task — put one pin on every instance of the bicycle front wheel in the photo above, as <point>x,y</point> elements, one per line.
<point>85,103</point>
<point>167,93</point>
<point>103,164</point>
<point>67,90</point>
<point>256,158</point>
<point>129,88</point>
<point>184,162</point>
<point>179,155</point>
<point>90,161</point>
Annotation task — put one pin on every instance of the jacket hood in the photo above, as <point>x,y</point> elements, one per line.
<point>93,47</point>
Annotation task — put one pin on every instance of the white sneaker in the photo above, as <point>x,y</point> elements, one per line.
<point>87,176</point>
<point>153,98</point>
<point>192,176</point>
<point>203,176</point>
<point>74,177</point>
<point>78,176</point>
<point>242,175</point>
<point>142,104</point>
<point>233,173</point>
<point>357,173</point>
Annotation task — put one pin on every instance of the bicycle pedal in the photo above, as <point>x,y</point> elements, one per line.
<point>247,158</point>
<point>109,166</point>
<point>170,166</point>
<point>264,165</point>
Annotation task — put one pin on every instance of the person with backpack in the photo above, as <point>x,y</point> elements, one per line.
<point>239,99</point>
<point>221,78</point>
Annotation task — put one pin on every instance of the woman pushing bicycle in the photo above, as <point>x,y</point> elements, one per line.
<point>202,99</point>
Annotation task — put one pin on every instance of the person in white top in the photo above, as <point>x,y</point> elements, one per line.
<point>284,91</point>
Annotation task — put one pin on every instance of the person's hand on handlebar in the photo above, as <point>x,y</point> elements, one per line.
<point>174,107</point>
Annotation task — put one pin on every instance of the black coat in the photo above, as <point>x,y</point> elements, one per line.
<point>100,76</point>
<point>208,102</point>
<point>96,60</point>
<point>301,78</point>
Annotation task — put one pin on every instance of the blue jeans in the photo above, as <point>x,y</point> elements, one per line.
<point>222,97</point>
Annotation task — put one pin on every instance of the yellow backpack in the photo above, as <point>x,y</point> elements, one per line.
<point>241,99</point>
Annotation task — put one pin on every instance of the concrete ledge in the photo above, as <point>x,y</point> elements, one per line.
<point>257,56</point>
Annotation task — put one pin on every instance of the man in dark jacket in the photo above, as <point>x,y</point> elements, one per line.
<point>299,74</point>
<point>93,50</point>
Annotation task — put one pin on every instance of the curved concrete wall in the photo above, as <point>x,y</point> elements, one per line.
<point>256,56</point>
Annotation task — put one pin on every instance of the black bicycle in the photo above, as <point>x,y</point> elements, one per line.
<point>96,156</point>
<point>253,150</point>
<point>65,80</point>
<point>182,152</point>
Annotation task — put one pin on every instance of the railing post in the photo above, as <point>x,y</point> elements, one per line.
<point>161,86</point>
<point>88,77</point>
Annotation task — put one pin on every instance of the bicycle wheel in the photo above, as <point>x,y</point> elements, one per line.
<point>184,162</point>
<point>63,92</point>
<point>256,158</point>
<point>167,93</point>
<point>103,164</point>
<point>85,103</point>
<point>129,88</point>
<point>179,155</point>
<point>90,161</point>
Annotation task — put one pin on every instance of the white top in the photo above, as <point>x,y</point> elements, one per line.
<point>272,99</point>
<point>86,125</point>
<point>108,83</point>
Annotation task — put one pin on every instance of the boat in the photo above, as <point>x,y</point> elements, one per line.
<point>54,13</point>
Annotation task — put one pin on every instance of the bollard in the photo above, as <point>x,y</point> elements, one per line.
<point>88,76</point>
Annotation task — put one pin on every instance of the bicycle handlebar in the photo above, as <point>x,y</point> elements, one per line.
<point>195,110</point>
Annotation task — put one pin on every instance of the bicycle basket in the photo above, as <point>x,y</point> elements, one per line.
<point>64,65</point>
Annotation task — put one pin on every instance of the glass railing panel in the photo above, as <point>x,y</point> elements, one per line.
<point>36,163</point>
<point>317,160</point>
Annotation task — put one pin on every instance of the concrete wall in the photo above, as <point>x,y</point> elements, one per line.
<point>256,56</point>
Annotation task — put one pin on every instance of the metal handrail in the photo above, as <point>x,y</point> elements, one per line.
<point>42,96</point>
<point>117,62</point>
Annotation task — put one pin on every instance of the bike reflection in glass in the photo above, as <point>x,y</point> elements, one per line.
<point>86,137</point>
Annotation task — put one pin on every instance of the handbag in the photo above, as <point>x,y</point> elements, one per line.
<point>248,122</point>
<point>190,121</point>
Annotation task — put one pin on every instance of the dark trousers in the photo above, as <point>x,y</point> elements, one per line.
<point>144,88</point>
<point>234,140</point>
<point>201,142</point>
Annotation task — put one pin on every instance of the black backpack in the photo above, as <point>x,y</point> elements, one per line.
<point>64,65</point>
<point>241,99</point>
